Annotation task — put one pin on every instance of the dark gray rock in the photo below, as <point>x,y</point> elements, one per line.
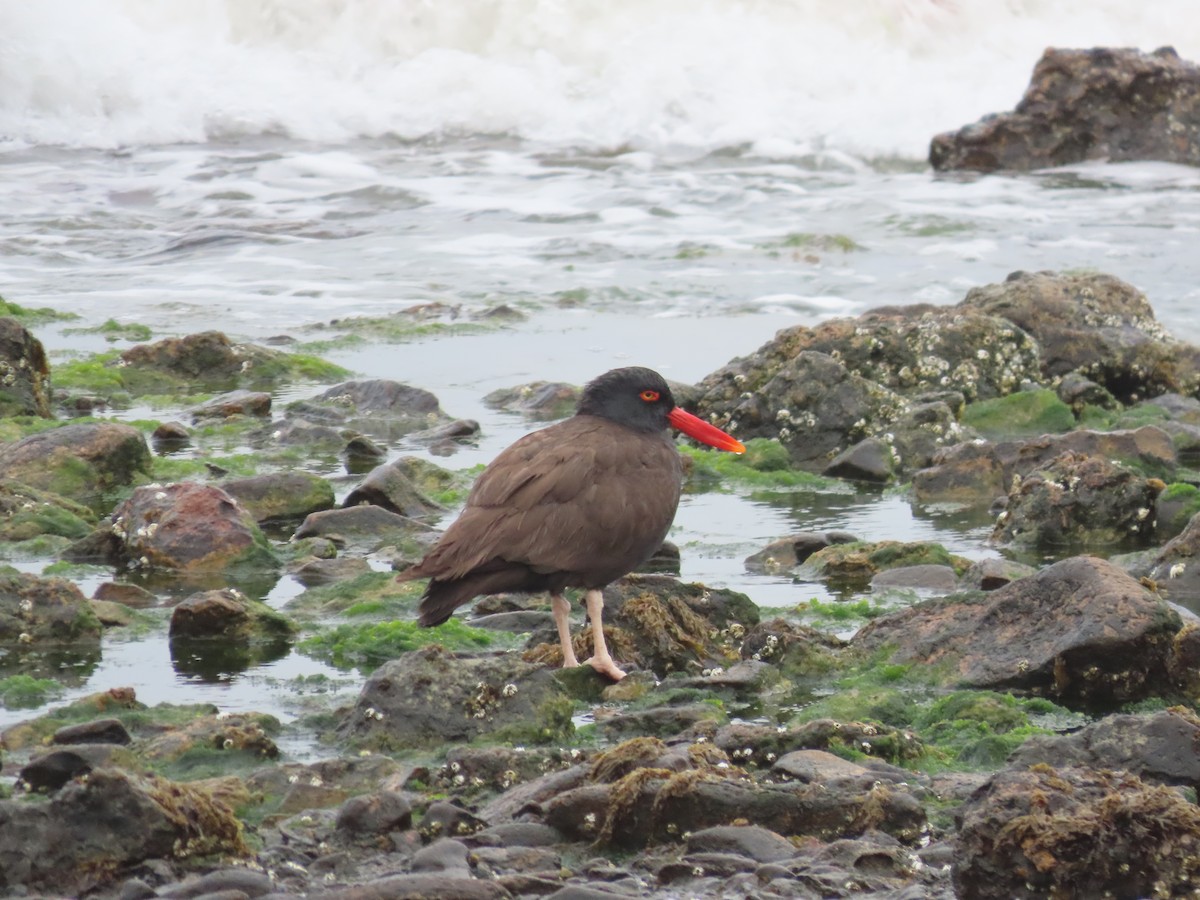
<point>749,841</point>
<point>390,487</point>
<point>375,813</point>
<point>430,697</point>
<point>1104,103</point>
<point>368,526</point>
<point>786,553</point>
<point>97,731</point>
<point>1081,631</point>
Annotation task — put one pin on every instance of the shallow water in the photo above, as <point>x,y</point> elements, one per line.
<point>263,168</point>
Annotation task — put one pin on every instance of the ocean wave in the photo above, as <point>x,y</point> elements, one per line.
<point>783,77</point>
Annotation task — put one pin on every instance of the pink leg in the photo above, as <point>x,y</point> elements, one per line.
<point>601,661</point>
<point>561,610</point>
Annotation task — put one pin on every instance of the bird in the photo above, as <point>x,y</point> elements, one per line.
<point>576,504</point>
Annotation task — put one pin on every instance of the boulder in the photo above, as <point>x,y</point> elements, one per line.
<point>188,527</point>
<point>1074,831</point>
<point>390,487</point>
<point>280,496</point>
<point>233,404</point>
<point>1104,103</point>
<point>541,401</point>
<point>1080,631</point>
<point>1079,500</point>
<point>1158,747</point>
<point>83,461</point>
<point>24,372</point>
<point>35,612</point>
<point>431,697</point>
<point>1093,325</point>
<point>95,828</point>
<point>977,472</point>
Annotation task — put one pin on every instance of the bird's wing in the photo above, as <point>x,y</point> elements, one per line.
<point>564,499</point>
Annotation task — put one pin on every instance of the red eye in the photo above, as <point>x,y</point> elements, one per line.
<point>649,396</point>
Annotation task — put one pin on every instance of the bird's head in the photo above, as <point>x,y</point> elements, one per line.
<point>640,399</point>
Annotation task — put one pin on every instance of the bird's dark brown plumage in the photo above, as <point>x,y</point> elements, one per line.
<point>577,504</point>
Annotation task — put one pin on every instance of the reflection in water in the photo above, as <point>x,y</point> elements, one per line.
<point>218,659</point>
<point>70,664</point>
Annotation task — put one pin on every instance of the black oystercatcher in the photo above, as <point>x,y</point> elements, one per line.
<point>578,504</point>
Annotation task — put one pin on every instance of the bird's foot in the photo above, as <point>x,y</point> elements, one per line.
<point>605,666</point>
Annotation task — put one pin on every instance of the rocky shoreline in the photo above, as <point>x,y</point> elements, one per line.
<point>996,728</point>
<point>1021,726</point>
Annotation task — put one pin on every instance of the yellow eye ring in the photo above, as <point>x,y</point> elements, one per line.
<point>649,396</point>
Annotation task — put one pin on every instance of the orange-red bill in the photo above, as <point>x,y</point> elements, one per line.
<point>697,428</point>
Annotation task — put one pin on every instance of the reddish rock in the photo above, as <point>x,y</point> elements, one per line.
<point>188,527</point>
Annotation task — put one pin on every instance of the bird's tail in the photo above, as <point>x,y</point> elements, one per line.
<point>442,597</point>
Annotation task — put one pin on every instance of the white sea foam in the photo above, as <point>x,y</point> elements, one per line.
<point>788,77</point>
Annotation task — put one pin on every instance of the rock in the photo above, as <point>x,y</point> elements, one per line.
<point>444,820</point>
<point>36,612</point>
<point>81,461</point>
<point>1159,747</point>
<point>207,360</point>
<point>1093,325</point>
<point>993,572</point>
<point>223,884</point>
<point>170,436</point>
<point>443,855</point>
<point>419,887</point>
<point>90,829</point>
<point>1079,500</point>
<point>1103,103</point>
<point>430,697</point>
<point>234,733</point>
<point>280,496</point>
<point>128,594</point>
<point>749,841</point>
<point>934,579</point>
<point>188,527</point>
<point>1174,508</point>
<point>1023,414</point>
<point>24,372</point>
<point>97,731</point>
<point>375,813</point>
<point>660,721</point>
<point>979,471</point>
<point>872,459</point>
<point>27,513</point>
<point>856,564</point>
<point>1072,831</point>
<point>378,407</point>
<point>367,526</point>
<point>1174,568</point>
<point>313,572</point>
<point>649,805</point>
<point>795,650</point>
<point>786,553</point>
<point>822,390</point>
<point>1080,631</point>
<point>234,403</point>
<point>230,616</point>
<point>49,771</point>
<point>390,487</point>
<point>659,623</point>
<point>541,401</point>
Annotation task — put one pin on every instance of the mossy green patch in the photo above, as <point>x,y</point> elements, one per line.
<point>366,647</point>
<point>34,315</point>
<point>394,329</point>
<point>97,374</point>
<point>854,564</point>
<point>838,612</point>
<point>27,692</point>
<point>13,428</point>
<point>764,465</point>
<point>112,330</point>
<point>553,721</point>
<point>813,242</point>
<point>1023,414</point>
<point>386,597</point>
